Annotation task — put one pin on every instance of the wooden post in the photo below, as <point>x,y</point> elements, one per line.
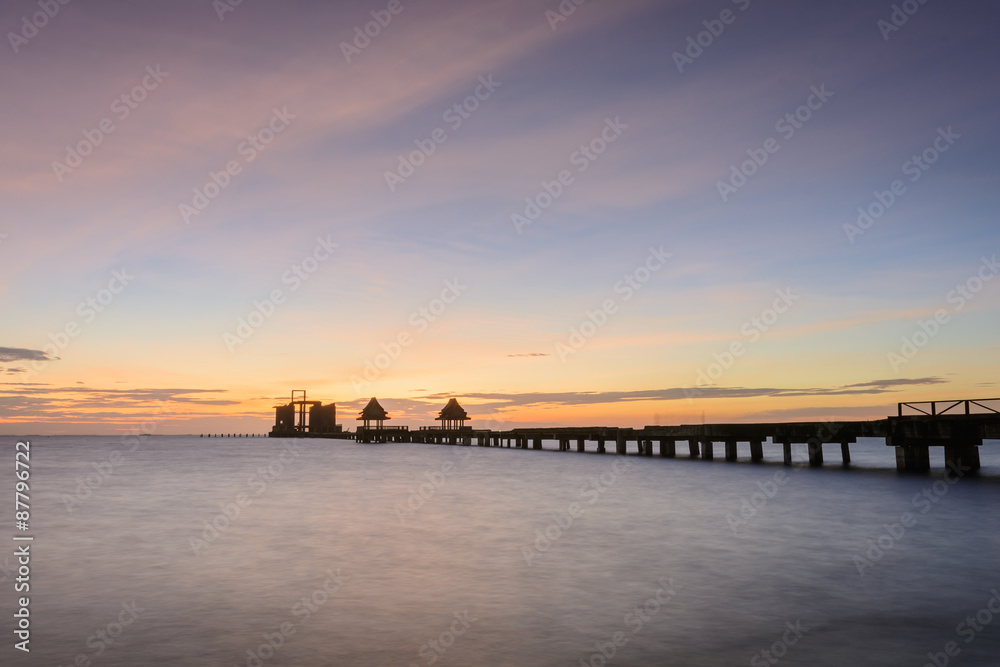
<point>756,451</point>
<point>730,450</point>
<point>707,450</point>
<point>787,447</point>
<point>668,448</point>
<point>620,443</point>
<point>581,445</point>
<point>600,447</point>
<point>845,452</point>
<point>648,448</point>
<point>915,458</point>
<point>815,453</point>
<point>693,448</point>
<point>537,444</point>
<point>959,457</point>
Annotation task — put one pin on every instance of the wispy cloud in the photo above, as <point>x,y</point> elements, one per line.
<point>41,403</point>
<point>11,354</point>
<point>501,401</point>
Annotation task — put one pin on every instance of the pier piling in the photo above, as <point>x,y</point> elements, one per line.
<point>693,448</point>
<point>815,453</point>
<point>915,458</point>
<point>966,456</point>
<point>668,448</point>
<point>708,450</point>
<point>730,450</point>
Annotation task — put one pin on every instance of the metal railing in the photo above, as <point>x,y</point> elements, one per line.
<point>965,407</point>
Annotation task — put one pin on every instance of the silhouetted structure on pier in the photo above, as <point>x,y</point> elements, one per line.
<point>453,416</point>
<point>290,419</point>
<point>373,412</point>
<point>960,427</point>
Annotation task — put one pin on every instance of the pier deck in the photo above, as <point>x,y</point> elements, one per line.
<point>960,427</point>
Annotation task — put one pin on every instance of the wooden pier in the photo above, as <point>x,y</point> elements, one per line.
<point>959,427</point>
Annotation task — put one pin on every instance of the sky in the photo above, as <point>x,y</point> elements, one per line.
<point>612,213</point>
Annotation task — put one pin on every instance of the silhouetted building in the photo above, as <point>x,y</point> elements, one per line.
<point>373,412</point>
<point>453,416</point>
<point>290,420</point>
<point>323,419</point>
<point>284,418</point>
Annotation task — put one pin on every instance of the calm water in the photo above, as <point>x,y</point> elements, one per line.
<point>329,562</point>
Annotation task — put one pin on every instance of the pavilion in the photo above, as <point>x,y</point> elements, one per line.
<point>453,416</point>
<point>373,412</point>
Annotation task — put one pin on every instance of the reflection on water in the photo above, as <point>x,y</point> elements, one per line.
<point>278,552</point>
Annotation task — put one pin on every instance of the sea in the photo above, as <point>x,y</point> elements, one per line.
<point>238,551</point>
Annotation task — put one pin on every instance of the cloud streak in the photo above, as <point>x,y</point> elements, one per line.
<point>11,354</point>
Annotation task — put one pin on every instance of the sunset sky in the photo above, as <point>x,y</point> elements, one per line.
<point>208,205</point>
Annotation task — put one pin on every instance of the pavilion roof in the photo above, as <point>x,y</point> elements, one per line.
<point>452,411</point>
<point>374,411</point>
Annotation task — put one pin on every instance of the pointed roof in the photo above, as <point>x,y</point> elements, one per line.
<point>374,411</point>
<point>453,411</point>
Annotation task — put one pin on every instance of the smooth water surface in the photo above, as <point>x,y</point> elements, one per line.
<point>509,557</point>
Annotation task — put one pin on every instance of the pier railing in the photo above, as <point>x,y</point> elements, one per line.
<point>981,406</point>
